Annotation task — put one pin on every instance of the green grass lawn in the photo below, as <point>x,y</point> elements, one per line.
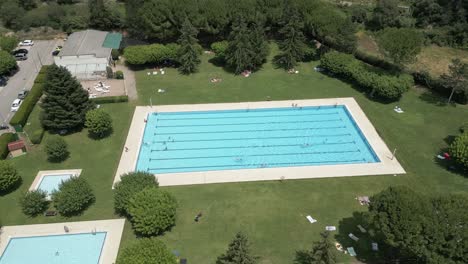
<point>272,213</point>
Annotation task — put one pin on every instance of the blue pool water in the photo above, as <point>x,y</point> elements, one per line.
<point>251,138</point>
<point>58,249</point>
<point>50,183</point>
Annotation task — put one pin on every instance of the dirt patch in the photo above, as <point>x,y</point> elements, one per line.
<point>436,60</point>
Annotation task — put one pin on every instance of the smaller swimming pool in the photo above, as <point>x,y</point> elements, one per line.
<point>50,183</point>
<point>82,248</point>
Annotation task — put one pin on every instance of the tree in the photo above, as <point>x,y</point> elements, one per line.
<point>238,252</point>
<point>457,78</point>
<point>65,103</point>
<point>56,149</point>
<point>34,203</point>
<point>129,185</point>
<point>101,17</point>
<point>292,44</point>
<point>9,176</point>
<point>239,53</point>
<point>259,43</point>
<point>73,196</point>
<point>98,122</point>
<point>11,13</point>
<point>459,149</point>
<point>28,4</point>
<point>7,62</point>
<point>189,57</point>
<point>146,250</point>
<point>386,14</point>
<point>219,48</point>
<point>323,252</point>
<point>152,211</point>
<point>8,43</point>
<point>401,45</point>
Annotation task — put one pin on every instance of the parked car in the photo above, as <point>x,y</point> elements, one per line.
<point>3,81</point>
<point>18,51</point>
<point>23,94</point>
<point>21,56</point>
<point>4,126</point>
<point>16,105</point>
<point>55,52</point>
<point>26,42</point>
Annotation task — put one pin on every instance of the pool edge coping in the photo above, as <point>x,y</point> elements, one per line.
<point>386,166</point>
<point>110,248</point>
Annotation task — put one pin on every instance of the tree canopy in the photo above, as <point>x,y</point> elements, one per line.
<point>401,45</point>
<point>146,251</point>
<point>238,252</point>
<point>189,52</point>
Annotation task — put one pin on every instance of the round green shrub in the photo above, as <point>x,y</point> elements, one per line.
<point>464,127</point>
<point>9,176</point>
<point>459,149</point>
<point>98,122</point>
<point>128,186</point>
<point>119,75</point>
<point>152,211</point>
<point>56,149</point>
<point>34,203</point>
<point>73,196</point>
<point>145,251</point>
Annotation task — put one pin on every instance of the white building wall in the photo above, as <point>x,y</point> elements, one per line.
<point>84,67</point>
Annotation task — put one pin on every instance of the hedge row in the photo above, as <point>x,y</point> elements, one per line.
<point>110,99</point>
<point>22,115</point>
<point>154,53</point>
<point>378,83</point>
<point>4,140</point>
<point>37,135</point>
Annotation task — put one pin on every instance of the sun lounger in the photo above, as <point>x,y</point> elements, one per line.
<point>362,229</point>
<point>353,237</point>
<point>351,251</point>
<point>148,73</point>
<point>311,220</point>
<point>163,72</point>
<point>440,157</point>
<point>161,90</point>
<point>50,213</point>
<point>375,246</point>
<point>99,89</point>
<point>330,228</point>
<point>155,73</point>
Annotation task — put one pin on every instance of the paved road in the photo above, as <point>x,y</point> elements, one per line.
<point>39,54</point>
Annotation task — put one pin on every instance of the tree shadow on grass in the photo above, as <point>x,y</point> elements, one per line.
<point>363,246</point>
<point>433,98</point>
<point>98,137</point>
<point>13,188</point>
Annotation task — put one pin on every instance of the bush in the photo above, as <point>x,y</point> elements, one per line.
<point>98,122</point>
<point>381,84</point>
<point>130,184</point>
<point>34,203</point>
<point>119,75</point>
<point>4,140</point>
<point>110,99</point>
<point>115,53</point>
<point>37,135</point>
<point>464,127</point>
<point>152,211</point>
<point>56,149</point>
<point>154,53</point>
<point>459,149</point>
<point>9,176</point>
<point>73,196</point>
<point>22,115</point>
<point>219,48</point>
<point>146,250</point>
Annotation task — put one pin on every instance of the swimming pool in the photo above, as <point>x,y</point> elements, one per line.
<point>82,248</point>
<point>50,183</point>
<point>251,138</point>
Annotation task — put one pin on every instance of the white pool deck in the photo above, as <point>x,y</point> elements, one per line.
<point>40,175</point>
<point>110,249</point>
<point>387,165</point>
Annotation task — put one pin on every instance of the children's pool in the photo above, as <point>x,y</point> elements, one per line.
<point>55,249</point>
<point>50,183</point>
<point>252,138</point>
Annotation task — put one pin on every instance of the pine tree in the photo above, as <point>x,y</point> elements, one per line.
<point>292,45</point>
<point>66,102</point>
<point>323,252</point>
<point>238,252</point>
<point>99,16</point>
<point>189,57</point>
<point>239,54</point>
<point>259,44</point>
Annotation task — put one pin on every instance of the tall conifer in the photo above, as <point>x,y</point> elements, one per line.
<point>189,56</point>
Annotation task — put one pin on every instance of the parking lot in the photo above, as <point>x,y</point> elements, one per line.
<point>38,55</point>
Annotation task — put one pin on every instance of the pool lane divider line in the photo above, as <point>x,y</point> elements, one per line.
<point>228,139</point>
<point>241,131</point>
<point>242,117</point>
<point>264,123</point>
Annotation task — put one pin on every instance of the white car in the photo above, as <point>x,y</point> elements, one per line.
<point>16,105</point>
<point>26,42</point>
